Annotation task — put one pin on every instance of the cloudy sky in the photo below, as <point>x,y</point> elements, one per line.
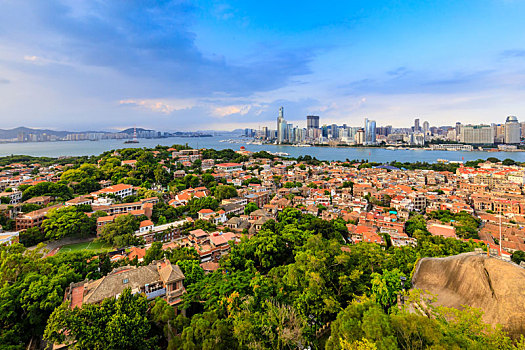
<point>177,65</point>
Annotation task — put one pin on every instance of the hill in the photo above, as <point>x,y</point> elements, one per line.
<point>492,285</point>
<point>13,133</point>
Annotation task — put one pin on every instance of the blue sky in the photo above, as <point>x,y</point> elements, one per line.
<point>177,65</point>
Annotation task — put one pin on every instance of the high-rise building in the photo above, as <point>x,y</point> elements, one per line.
<point>426,127</point>
<point>417,128</point>
<point>360,137</point>
<point>335,131</point>
<point>458,129</point>
<point>384,130</point>
<point>512,130</point>
<point>370,132</point>
<point>477,134</point>
<point>324,131</point>
<point>281,127</point>
<point>312,122</point>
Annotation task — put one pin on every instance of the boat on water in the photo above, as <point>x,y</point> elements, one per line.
<point>279,154</point>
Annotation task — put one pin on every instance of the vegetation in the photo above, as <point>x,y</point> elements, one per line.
<point>68,221</point>
<point>121,231</point>
<point>295,284</point>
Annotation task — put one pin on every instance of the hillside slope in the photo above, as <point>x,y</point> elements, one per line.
<point>492,285</point>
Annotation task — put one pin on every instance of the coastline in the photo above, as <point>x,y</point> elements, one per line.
<point>377,153</point>
<point>385,147</point>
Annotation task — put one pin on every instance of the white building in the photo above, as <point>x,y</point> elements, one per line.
<point>512,130</point>
<point>477,134</point>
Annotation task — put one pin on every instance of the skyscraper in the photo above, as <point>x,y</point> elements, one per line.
<point>312,122</point>
<point>426,127</point>
<point>370,132</point>
<point>416,125</point>
<point>281,127</point>
<point>512,130</point>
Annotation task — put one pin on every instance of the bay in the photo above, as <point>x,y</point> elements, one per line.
<point>86,148</point>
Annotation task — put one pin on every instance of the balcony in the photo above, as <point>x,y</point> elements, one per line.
<point>158,293</point>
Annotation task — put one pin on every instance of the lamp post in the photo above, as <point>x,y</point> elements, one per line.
<point>403,279</point>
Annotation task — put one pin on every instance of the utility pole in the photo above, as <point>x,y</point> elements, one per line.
<point>500,251</point>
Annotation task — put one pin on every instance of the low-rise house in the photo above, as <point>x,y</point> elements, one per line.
<point>41,200</point>
<point>14,196</point>
<point>82,200</point>
<point>229,167</point>
<point>165,232</point>
<point>119,190</point>
<point>442,230</point>
<point>34,218</point>
<point>159,279</point>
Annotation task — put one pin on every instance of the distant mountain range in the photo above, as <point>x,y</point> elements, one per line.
<point>8,134</point>
<point>13,133</point>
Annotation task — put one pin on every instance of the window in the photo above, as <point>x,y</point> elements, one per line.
<point>125,281</point>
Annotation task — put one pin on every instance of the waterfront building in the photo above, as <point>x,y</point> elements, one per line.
<point>451,135</point>
<point>281,126</point>
<point>477,134</point>
<point>324,131</point>
<point>426,127</point>
<point>384,130</point>
<point>512,130</point>
<point>417,139</point>
<point>499,133</point>
<point>451,147</point>
<point>312,122</point>
<point>370,132</point>
<point>360,136</point>
<point>417,128</point>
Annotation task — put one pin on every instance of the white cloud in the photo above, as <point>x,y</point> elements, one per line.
<point>31,58</point>
<point>157,105</point>
<point>225,111</point>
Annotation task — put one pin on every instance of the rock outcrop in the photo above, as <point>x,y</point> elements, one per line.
<point>494,286</point>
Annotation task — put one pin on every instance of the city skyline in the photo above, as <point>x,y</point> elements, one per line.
<point>195,66</point>
<point>506,135</point>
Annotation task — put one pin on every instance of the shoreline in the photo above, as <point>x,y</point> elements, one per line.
<point>388,148</point>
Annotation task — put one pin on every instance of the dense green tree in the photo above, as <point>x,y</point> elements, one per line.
<point>250,208</point>
<point>196,204</point>
<point>386,287</point>
<point>518,256</point>
<point>114,324</point>
<point>192,271</point>
<point>162,176</point>
<point>29,207</point>
<point>224,192</point>
<point>57,190</point>
<point>168,212</point>
<point>416,222</point>
<point>32,236</point>
<point>155,252</point>
<point>182,253</point>
<point>32,287</point>
<point>362,319</point>
<point>121,231</point>
<point>68,221</point>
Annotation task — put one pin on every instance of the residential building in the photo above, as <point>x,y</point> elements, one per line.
<point>160,279</point>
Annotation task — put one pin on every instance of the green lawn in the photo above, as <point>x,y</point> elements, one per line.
<point>91,246</point>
